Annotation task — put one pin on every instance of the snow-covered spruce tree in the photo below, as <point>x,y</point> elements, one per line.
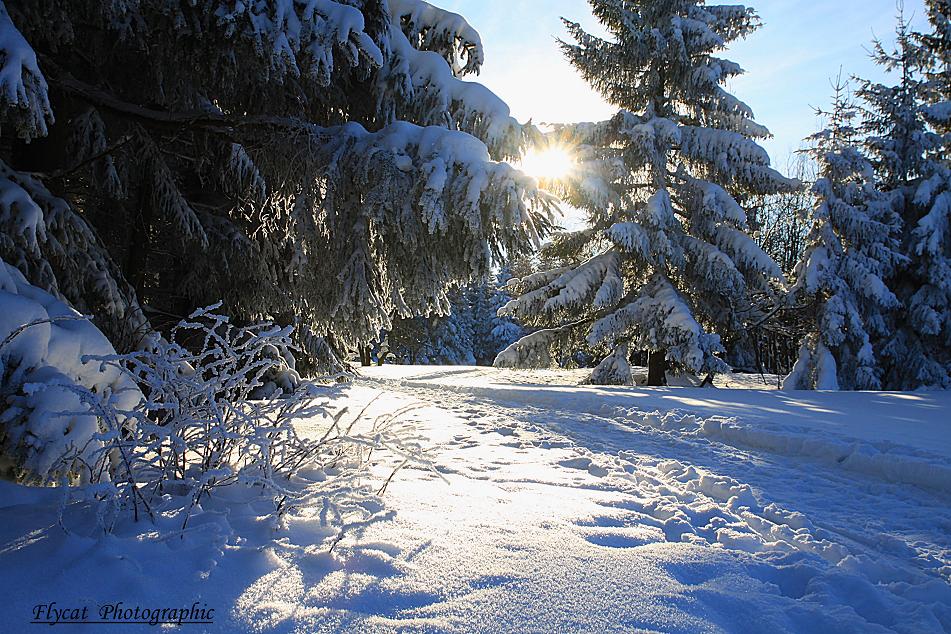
<point>317,163</point>
<point>851,249</point>
<point>40,233</point>
<point>908,140</point>
<point>492,332</point>
<point>666,260</point>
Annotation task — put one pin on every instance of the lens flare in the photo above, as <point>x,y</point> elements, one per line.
<point>551,163</point>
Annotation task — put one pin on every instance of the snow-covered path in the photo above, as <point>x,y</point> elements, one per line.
<point>562,508</point>
<point>557,518</point>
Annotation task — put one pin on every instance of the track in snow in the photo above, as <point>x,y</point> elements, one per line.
<point>680,486</point>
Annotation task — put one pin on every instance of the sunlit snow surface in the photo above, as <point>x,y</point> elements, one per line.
<point>563,508</point>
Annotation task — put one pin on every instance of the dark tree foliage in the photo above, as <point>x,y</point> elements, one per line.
<point>263,152</point>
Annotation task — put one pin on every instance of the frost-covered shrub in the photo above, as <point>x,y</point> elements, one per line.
<point>219,404</point>
<point>50,429</point>
<point>157,431</point>
<point>221,408</point>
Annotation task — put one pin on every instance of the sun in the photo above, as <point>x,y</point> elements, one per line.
<point>551,163</point>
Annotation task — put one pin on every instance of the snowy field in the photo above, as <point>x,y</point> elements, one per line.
<point>556,507</point>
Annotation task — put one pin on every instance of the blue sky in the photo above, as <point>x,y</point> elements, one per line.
<point>789,62</point>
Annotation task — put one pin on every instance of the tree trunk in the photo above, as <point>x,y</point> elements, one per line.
<point>657,368</point>
<point>365,356</point>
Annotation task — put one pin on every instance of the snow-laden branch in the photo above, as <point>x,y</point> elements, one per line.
<point>428,92</point>
<point>660,319</point>
<point>300,37</point>
<point>48,241</point>
<point>430,28</point>
<point>24,94</point>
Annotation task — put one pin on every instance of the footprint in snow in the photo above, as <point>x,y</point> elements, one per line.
<point>584,464</point>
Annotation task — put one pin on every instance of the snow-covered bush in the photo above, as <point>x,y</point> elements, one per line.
<point>50,392</point>
<point>615,369</point>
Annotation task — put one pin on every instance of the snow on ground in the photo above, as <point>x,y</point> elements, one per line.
<point>555,507</point>
<point>916,420</point>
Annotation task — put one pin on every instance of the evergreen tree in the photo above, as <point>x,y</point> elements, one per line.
<point>935,47</point>
<point>908,139</point>
<point>471,333</point>
<point>317,163</point>
<point>405,343</point>
<point>441,339</point>
<point>492,332</point>
<point>666,260</point>
<point>451,337</point>
<point>851,249</point>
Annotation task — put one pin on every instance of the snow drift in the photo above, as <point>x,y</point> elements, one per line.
<point>47,427</point>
